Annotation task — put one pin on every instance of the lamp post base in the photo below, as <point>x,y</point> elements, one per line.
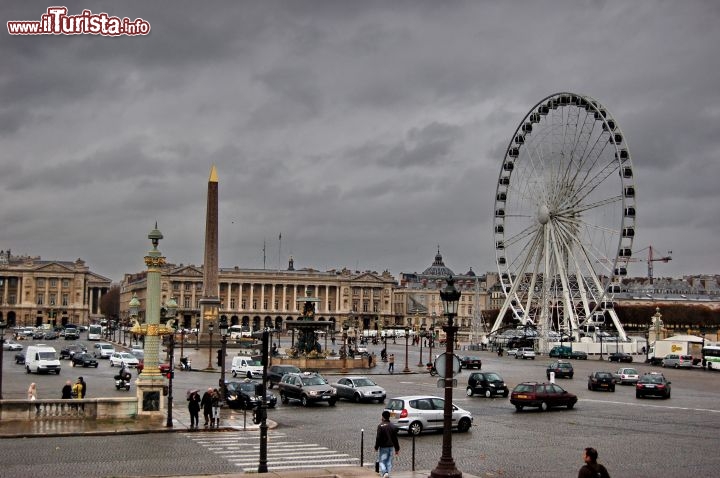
<point>446,469</point>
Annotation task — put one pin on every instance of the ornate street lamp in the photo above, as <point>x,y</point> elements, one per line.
<point>223,326</point>
<point>407,336</point>
<point>345,328</point>
<point>211,327</point>
<point>169,312</point>
<point>2,343</point>
<point>431,339</point>
<point>422,336</point>
<point>197,333</point>
<point>450,297</point>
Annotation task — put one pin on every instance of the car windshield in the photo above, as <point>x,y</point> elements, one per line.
<point>652,379</point>
<point>493,376</point>
<point>629,371</point>
<point>313,381</point>
<point>364,382</point>
<point>46,355</point>
<point>604,375</point>
<point>247,387</point>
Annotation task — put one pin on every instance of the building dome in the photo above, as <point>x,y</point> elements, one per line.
<point>438,268</point>
<point>470,273</point>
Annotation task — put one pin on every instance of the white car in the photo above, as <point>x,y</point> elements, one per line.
<point>512,352</point>
<point>120,358</point>
<point>525,353</point>
<point>103,350</point>
<point>626,376</point>
<point>12,345</point>
<point>416,413</point>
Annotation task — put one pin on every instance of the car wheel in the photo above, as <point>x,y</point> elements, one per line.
<point>234,373</point>
<point>677,366</point>
<point>571,376</point>
<point>464,425</point>
<point>72,364</point>
<point>612,389</point>
<point>516,357</point>
<point>283,398</point>
<point>570,406</point>
<point>668,395</point>
<point>638,395</point>
<point>332,402</point>
<point>589,387</point>
<point>415,428</point>
<point>112,364</point>
<point>304,401</point>
<point>506,393</point>
<point>469,391</point>
<point>27,369</point>
<point>249,375</point>
<point>96,365</point>
<point>488,393</point>
<point>548,376</point>
<point>543,407</point>
<point>356,398</point>
<point>518,408</point>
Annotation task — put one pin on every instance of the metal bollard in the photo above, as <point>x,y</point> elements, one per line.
<point>362,446</point>
<point>413,453</point>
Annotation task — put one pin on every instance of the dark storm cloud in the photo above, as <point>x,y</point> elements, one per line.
<point>366,132</point>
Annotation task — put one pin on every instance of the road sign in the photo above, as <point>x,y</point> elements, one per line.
<point>440,364</point>
<point>441,383</point>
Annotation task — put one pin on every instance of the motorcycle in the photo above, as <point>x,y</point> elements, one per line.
<point>431,368</point>
<point>185,363</point>
<point>122,380</point>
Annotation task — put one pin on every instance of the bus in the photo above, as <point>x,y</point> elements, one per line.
<point>711,356</point>
<point>95,332</point>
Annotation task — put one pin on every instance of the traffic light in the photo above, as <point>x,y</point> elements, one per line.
<point>219,357</point>
<point>170,375</point>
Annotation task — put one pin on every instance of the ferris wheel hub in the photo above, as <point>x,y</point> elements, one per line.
<point>543,214</point>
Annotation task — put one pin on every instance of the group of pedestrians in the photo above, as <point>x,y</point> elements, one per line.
<point>69,390</point>
<point>210,405</point>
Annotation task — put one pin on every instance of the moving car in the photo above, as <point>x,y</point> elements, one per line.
<point>561,369</point>
<point>416,413</point>
<point>359,389</point>
<point>560,351</point>
<point>276,372</point>
<point>246,394</point>
<point>626,376</point>
<point>469,361</point>
<point>71,334</point>
<point>308,387</point>
<point>578,355</point>
<point>601,381</point>
<point>117,359</point>
<point>487,384</point>
<point>68,352</point>
<point>541,395</point>
<point>620,357</point>
<point>677,361</point>
<point>83,359</point>
<point>525,353</point>
<point>12,345</point>
<point>20,358</point>
<point>103,350</point>
<point>654,384</point>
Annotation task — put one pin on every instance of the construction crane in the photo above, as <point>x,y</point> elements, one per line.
<point>650,259</point>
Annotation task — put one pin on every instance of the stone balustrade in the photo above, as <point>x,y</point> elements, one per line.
<point>56,409</point>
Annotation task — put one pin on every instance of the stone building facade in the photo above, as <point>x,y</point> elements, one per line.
<point>259,298</point>
<point>35,291</point>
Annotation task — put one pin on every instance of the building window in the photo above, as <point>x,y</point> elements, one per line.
<point>176,286</point>
<point>11,299</point>
<point>65,283</point>
<point>232,303</point>
<point>287,304</point>
<point>376,306</point>
<point>188,286</point>
<point>52,299</point>
<point>39,299</point>
<point>53,282</point>
<point>41,282</point>
<point>187,302</point>
<point>254,304</point>
<point>265,304</point>
<point>198,286</point>
<point>365,306</point>
<point>277,304</point>
<point>243,304</point>
<point>65,300</point>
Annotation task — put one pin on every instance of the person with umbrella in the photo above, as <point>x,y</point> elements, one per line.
<point>194,408</point>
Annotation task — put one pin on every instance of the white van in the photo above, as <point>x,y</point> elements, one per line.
<point>239,331</point>
<point>41,358</point>
<point>246,367</point>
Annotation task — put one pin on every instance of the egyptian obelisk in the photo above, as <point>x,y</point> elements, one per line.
<point>210,300</point>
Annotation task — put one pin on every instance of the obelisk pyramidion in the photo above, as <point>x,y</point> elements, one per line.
<point>210,300</point>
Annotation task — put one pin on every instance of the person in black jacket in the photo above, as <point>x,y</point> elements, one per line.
<point>194,408</point>
<point>385,441</point>
<point>591,468</point>
<point>206,404</point>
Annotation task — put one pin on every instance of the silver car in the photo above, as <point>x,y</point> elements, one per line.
<point>416,413</point>
<point>359,389</point>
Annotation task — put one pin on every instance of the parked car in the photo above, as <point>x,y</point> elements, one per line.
<point>12,345</point>
<point>71,334</point>
<point>117,359</point>
<point>677,361</point>
<point>525,353</point>
<point>541,395</point>
<point>84,359</point>
<point>626,376</point>
<point>416,413</point>
<point>38,334</point>
<point>359,389</point>
<point>511,352</point>
<point>578,355</point>
<point>487,384</point>
<point>275,373</point>
<point>469,361</point>
<point>654,384</point>
<point>561,369</point>
<point>68,352</point>
<point>50,335</point>
<point>560,351</point>
<point>620,357</point>
<point>246,394</point>
<point>308,387</point>
<point>601,381</point>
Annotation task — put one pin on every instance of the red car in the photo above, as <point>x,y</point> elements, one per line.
<point>164,367</point>
<point>541,395</point>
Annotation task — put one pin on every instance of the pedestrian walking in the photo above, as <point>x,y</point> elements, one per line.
<point>206,404</point>
<point>215,402</point>
<point>194,408</point>
<point>32,392</point>
<point>591,468</point>
<point>391,363</point>
<point>67,391</point>
<point>386,442</point>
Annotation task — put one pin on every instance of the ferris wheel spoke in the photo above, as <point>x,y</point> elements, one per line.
<point>576,209</point>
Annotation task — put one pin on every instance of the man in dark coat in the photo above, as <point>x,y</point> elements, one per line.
<point>206,404</point>
<point>591,468</point>
<point>385,442</point>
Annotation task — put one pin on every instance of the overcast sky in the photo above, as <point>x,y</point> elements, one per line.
<point>366,133</point>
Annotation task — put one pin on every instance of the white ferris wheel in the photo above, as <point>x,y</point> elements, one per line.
<point>564,218</point>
